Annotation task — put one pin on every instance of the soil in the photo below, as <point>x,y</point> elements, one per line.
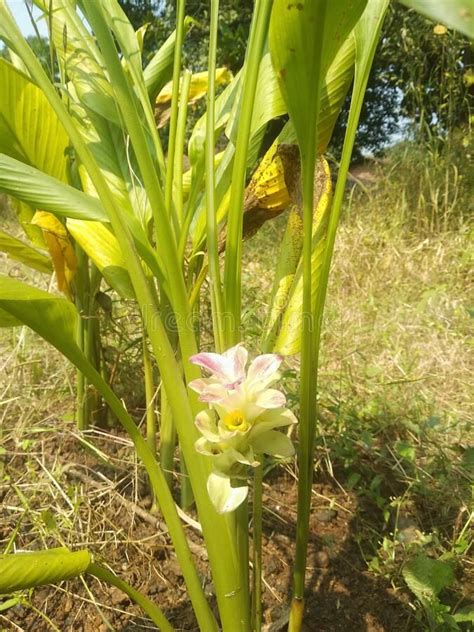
<point>342,595</point>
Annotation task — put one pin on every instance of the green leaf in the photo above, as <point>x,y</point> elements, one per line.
<point>19,571</point>
<point>49,194</point>
<point>7,320</point>
<point>103,249</point>
<point>46,193</point>
<point>465,614</point>
<point>426,577</point>
<point>24,253</point>
<point>53,318</point>
<point>304,38</point>
<point>29,128</point>
<point>289,256</point>
<point>456,14</point>
<point>81,59</point>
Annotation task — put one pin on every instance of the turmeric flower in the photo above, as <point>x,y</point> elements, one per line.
<point>241,421</point>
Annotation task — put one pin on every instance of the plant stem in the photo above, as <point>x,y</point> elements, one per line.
<point>149,397</point>
<point>81,419</point>
<point>308,144</point>
<point>233,250</point>
<point>174,105</point>
<point>149,403</point>
<point>82,278</point>
<point>167,438</point>
<point>151,609</point>
<point>257,547</point>
<point>179,148</point>
<point>211,219</point>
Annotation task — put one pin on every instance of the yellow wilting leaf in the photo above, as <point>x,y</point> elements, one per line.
<point>60,249</point>
<point>197,90</point>
<point>273,188</point>
<point>270,190</point>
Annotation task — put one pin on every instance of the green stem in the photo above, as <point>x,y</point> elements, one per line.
<point>149,397</point>
<point>187,497</point>
<point>167,438</point>
<point>179,148</point>
<point>174,105</point>
<point>150,404</point>
<point>233,250</point>
<point>211,219</point>
<point>151,609</point>
<point>257,547</point>
<point>81,419</point>
<point>307,423</point>
<point>82,278</point>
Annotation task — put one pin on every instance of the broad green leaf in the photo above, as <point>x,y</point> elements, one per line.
<point>49,194</point>
<point>52,317</point>
<point>103,249</point>
<point>28,570</point>
<point>465,614</point>
<point>288,341</point>
<point>7,320</point>
<point>42,191</point>
<point>304,38</point>
<point>80,58</point>
<point>29,128</point>
<point>426,577</point>
<point>31,132</point>
<point>335,87</point>
<point>456,14</point>
<point>18,250</point>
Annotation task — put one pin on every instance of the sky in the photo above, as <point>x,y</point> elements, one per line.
<point>20,13</point>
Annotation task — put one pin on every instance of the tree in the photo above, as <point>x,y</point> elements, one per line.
<point>420,77</point>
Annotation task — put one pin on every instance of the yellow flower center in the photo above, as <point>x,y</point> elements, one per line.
<point>236,421</point>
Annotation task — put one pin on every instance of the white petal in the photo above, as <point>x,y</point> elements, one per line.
<point>264,366</point>
<point>206,424</point>
<point>213,362</point>
<point>274,443</point>
<point>271,398</point>
<point>199,385</point>
<point>213,393</point>
<point>237,357</point>
<point>273,419</point>
<point>203,446</point>
<point>225,498</point>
